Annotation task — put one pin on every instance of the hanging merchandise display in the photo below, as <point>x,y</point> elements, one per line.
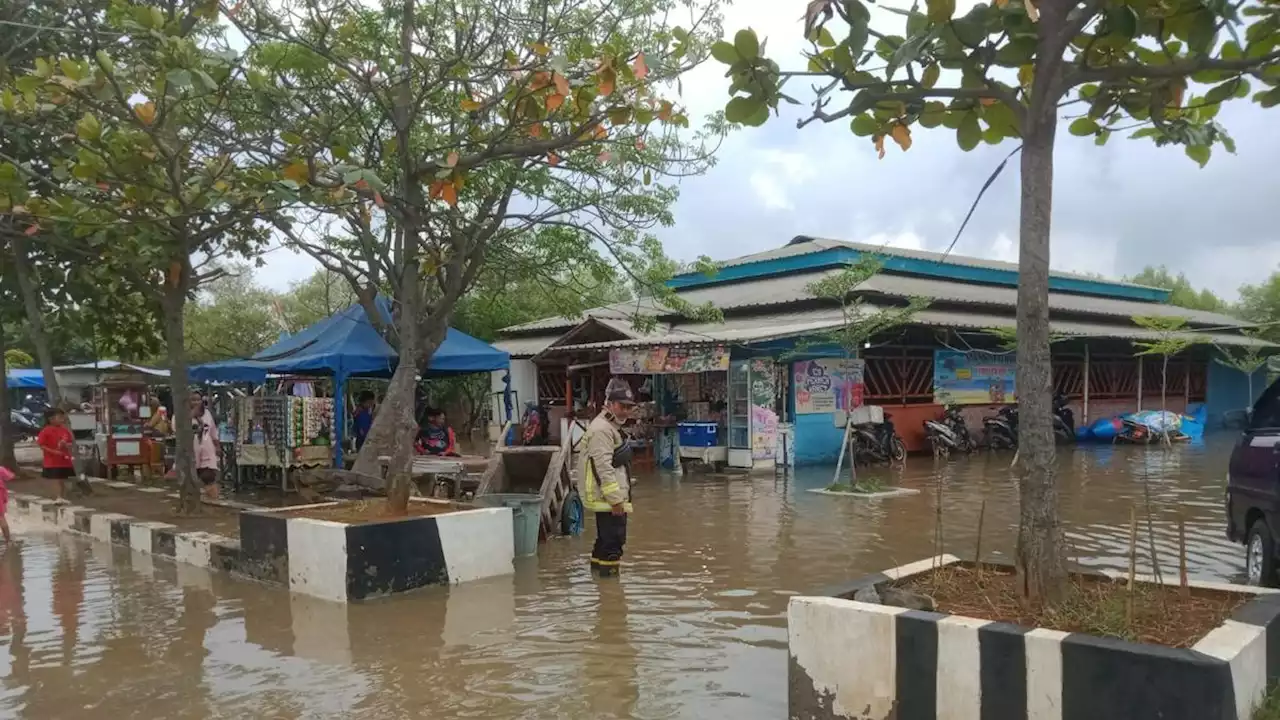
<point>283,431</point>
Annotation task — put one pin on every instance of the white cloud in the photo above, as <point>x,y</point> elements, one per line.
<point>777,172</point>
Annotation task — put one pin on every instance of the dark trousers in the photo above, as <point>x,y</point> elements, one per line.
<point>611,536</point>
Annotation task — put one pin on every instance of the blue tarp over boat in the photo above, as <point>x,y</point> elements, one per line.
<point>348,345</point>
<point>24,378</point>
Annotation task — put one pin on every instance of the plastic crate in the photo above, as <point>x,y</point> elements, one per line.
<point>698,434</point>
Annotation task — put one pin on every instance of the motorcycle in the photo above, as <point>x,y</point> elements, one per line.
<point>1000,431</point>
<point>1064,420</point>
<point>878,443</point>
<point>23,425</point>
<point>949,433</point>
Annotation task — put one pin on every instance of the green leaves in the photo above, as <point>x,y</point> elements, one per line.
<point>725,53</point>
<point>864,125</point>
<point>747,46</point>
<point>747,111</point>
<point>88,128</point>
<point>968,134</point>
<point>1083,126</point>
<point>1199,153</point>
<point>940,11</point>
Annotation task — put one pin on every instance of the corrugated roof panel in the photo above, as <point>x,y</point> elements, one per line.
<point>525,347</point>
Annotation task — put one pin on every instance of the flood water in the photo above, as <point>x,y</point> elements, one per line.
<point>695,628</point>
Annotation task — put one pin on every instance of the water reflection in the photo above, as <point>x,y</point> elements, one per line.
<point>694,628</point>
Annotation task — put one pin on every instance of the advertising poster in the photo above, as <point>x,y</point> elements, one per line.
<point>764,417</point>
<point>668,360</point>
<point>973,378</point>
<point>828,385</point>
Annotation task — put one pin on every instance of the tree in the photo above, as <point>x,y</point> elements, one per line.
<point>1247,359</point>
<point>1181,292</point>
<point>231,317</point>
<point>449,135</point>
<point>1010,66</point>
<point>1261,304</point>
<point>7,457</point>
<point>159,146</point>
<point>14,358</point>
<point>1171,338</point>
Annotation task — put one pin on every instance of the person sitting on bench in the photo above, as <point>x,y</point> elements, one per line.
<point>436,437</point>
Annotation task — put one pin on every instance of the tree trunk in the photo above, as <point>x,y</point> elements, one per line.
<point>7,457</point>
<point>184,465</point>
<point>1040,562</point>
<point>35,319</point>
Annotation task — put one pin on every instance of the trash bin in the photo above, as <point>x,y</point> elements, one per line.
<point>526,518</point>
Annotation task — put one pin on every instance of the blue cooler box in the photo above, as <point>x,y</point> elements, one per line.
<point>698,434</point>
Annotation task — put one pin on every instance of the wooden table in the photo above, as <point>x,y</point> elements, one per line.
<point>454,470</point>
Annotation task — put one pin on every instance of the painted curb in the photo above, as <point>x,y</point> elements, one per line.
<point>344,562</point>
<point>850,659</point>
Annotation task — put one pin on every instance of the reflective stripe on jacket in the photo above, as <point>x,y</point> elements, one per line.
<point>603,485</point>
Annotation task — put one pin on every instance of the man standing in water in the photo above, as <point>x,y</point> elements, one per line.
<point>605,470</point>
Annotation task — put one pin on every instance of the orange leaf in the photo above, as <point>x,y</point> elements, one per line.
<point>175,273</point>
<point>641,70</point>
<point>554,101</point>
<point>553,159</point>
<point>562,85</point>
<point>879,139</point>
<point>450,194</point>
<point>377,200</point>
<point>607,77</point>
<point>902,136</point>
<point>31,230</point>
<point>361,184</point>
<point>601,132</point>
<point>103,187</point>
<point>540,80</point>
<point>452,160</point>
<point>469,105</point>
<point>146,112</point>
<point>664,112</point>
<point>235,9</point>
<point>535,130</point>
<point>987,102</point>
<point>298,172</point>
<point>604,157</point>
<point>437,189</point>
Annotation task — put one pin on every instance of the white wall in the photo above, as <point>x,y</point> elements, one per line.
<point>524,383</point>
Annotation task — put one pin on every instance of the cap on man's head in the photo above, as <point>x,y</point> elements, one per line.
<point>619,391</point>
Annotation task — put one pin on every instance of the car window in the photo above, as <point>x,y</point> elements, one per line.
<point>1266,413</point>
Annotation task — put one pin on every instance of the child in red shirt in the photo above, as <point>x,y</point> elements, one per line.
<point>5,476</point>
<point>57,441</point>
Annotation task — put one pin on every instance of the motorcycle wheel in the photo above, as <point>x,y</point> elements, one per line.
<point>898,451</point>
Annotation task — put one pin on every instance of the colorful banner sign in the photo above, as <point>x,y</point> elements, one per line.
<point>826,386</point>
<point>764,416</point>
<point>668,360</point>
<point>973,378</point>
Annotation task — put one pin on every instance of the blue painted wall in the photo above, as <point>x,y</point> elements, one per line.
<point>1229,390</point>
<point>836,257</point>
<point>817,439</point>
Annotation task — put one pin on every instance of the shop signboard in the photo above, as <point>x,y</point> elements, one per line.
<point>764,416</point>
<point>974,377</point>
<point>828,385</point>
<point>668,360</point>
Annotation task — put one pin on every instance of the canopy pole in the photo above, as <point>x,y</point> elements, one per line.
<point>339,419</point>
<point>1086,383</point>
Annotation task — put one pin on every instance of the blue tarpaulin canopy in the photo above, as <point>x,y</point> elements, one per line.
<point>27,378</point>
<point>348,345</point>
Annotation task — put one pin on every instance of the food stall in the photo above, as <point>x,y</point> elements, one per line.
<point>122,405</point>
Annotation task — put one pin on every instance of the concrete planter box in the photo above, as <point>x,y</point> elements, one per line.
<point>341,562</point>
<point>874,662</point>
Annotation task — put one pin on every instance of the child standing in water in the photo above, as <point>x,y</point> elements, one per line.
<point>56,441</point>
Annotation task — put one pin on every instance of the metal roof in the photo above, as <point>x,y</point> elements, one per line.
<point>805,245</point>
<point>782,325</point>
<point>525,347</point>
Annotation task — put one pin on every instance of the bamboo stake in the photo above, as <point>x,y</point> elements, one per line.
<point>1133,561</point>
<point>977,551</point>
<point>1182,557</point>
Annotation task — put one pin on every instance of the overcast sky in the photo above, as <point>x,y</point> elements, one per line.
<point>1116,208</point>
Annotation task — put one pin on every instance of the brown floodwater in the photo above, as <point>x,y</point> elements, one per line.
<point>695,627</point>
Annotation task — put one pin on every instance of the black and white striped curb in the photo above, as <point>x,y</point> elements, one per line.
<point>859,660</point>
<point>198,548</point>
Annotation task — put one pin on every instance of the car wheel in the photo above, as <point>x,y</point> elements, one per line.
<point>1260,556</point>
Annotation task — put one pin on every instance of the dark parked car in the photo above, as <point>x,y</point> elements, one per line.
<point>1253,490</point>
